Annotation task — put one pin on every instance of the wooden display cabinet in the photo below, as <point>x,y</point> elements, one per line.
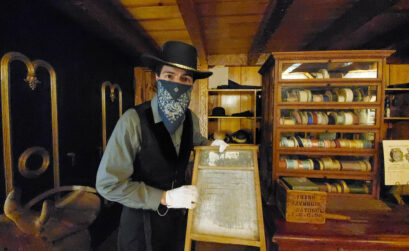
<point>325,109</point>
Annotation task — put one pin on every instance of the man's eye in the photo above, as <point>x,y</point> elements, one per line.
<point>187,79</point>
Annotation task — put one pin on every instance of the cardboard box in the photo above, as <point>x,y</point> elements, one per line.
<point>301,206</point>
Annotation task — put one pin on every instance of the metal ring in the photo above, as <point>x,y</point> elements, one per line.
<point>22,161</point>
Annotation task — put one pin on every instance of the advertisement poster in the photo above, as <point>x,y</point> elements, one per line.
<point>396,159</point>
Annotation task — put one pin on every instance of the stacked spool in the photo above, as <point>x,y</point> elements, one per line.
<point>325,164</point>
<point>297,141</point>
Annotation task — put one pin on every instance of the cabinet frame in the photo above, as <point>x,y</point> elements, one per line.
<point>272,85</point>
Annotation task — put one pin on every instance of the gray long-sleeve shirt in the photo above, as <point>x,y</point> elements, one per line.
<point>115,170</point>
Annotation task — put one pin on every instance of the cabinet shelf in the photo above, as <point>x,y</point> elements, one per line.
<point>314,105</point>
<point>350,175</point>
<point>356,128</point>
<point>339,129</point>
<point>397,118</point>
<point>232,91</point>
<point>326,151</point>
<point>229,117</point>
<point>396,89</point>
<point>327,105</point>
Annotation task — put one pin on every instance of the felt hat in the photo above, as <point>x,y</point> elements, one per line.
<point>218,111</point>
<point>176,54</point>
<point>242,136</point>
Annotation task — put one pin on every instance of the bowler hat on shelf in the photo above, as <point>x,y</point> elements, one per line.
<point>176,54</point>
<point>218,111</point>
<point>233,85</point>
<point>241,136</point>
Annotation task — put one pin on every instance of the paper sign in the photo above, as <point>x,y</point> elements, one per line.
<point>396,160</point>
<point>220,77</point>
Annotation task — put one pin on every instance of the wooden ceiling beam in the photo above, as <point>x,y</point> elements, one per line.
<point>401,56</point>
<point>110,21</point>
<point>387,39</point>
<point>274,14</point>
<point>190,17</point>
<point>351,20</point>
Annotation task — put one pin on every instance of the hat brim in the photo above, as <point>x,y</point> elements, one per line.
<point>151,62</point>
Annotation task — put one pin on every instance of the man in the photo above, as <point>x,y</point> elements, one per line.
<point>144,163</point>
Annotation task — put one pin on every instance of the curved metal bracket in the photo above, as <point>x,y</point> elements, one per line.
<point>112,88</point>
<point>5,107</point>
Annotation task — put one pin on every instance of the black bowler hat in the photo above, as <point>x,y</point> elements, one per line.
<point>176,54</point>
<point>218,111</point>
<point>242,136</point>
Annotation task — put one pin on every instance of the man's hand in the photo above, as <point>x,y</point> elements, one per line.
<point>222,145</point>
<point>182,197</point>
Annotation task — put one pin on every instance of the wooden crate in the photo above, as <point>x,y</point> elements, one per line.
<point>301,206</point>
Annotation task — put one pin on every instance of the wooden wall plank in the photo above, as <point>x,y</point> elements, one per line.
<point>250,76</point>
<point>173,35</point>
<point>163,24</point>
<point>156,12</point>
<point>231,8</point>
<point>235,74</point>
<point>139,3</point>
<point>398,74</point>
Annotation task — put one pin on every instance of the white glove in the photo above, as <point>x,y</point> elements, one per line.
<point>222,145</point>
<point>182,197</point>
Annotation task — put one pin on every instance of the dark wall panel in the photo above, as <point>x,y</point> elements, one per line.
<point>82,61</point>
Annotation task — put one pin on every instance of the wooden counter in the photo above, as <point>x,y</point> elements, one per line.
<point>384,230</point>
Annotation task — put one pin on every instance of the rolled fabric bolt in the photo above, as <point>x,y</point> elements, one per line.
<point>368,165</point>
<point>349,118</point>
<point>309,95</point>
<point>328,93</point>
<point>341,118</point>
<point>304,117</point>
<point>345,188</point>
<point>349,94</point>
<point>297,117</point>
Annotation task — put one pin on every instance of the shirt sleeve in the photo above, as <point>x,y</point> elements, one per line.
<point>113,180</point>
<point>198,138</point>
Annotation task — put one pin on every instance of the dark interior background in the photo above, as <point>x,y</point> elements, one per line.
<point>82,61</point>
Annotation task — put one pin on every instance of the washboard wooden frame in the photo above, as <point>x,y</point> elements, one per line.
<point>191,233</point>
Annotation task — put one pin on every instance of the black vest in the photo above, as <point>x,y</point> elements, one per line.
<point>157,164</point>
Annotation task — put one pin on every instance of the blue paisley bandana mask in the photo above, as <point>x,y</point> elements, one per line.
<point>173,101</point>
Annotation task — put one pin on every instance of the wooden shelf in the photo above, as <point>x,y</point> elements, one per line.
<point>229,117</point>
<point>327,105</point>
<point>396,89</point>
<point>326,151</point>
<point>324,104</point>
<point>326,129</point>
<point>233,91</point>
<point>350,175</point>
<point>397,118</point>
<point>355,128</point>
